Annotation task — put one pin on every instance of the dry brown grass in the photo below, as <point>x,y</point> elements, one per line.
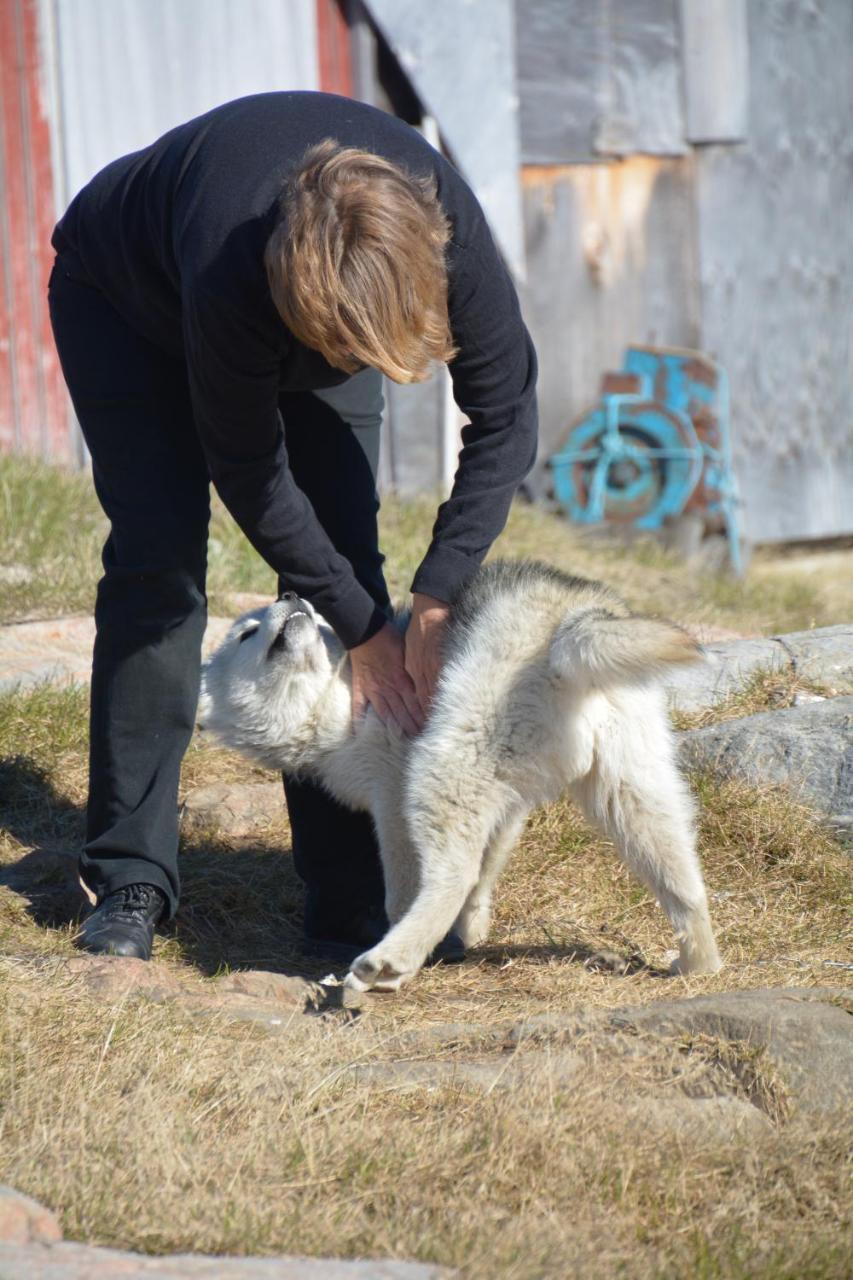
<point>39,504</point>
<point>154,1132</point>
<point>763,691</point>
<point>146,1128</point>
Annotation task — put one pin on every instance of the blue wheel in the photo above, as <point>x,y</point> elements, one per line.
<point>640,475</point>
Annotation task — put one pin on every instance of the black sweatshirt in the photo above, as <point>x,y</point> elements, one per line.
<point>174,236</point>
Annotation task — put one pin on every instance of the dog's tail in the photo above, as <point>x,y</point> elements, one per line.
<point>596,646</point>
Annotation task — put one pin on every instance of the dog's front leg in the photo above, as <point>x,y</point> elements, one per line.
<point>398,856</point>
<point>447,859</point>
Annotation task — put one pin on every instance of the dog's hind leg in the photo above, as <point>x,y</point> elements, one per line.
<point>472,923</point>
<point>636,796</point>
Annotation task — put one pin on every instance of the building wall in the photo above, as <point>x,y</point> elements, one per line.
<point>688,180</point>
<point>775,238</point>
<point>33,416</point>
<point>84,81</point>
<point>611,260</point>
<point>128,71</point>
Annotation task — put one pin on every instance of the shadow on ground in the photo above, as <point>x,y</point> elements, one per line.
<point>241,903</point>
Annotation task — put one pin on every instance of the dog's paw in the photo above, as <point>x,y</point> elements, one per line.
<point>375,970</point>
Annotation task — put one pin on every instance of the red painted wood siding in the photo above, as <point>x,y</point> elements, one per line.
<point>333,48</point>
<point>34,415</point>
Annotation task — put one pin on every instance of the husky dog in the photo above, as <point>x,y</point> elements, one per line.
<point>548,682</point>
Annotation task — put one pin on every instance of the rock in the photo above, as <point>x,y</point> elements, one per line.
<point>68,1261</point>
<point>763,1051</point>
<point>726,670</point>
<point>824,655</point>
<point>699,1119</point>
<point>25,1221</point>
<point>806,1032</point>
<point>118,977</point>
<point>243,996</point>
<point>233,808</point>
<point>61,649</point>
<point>486,1073</point>
<point>278,987</point>
<point>807,749</point>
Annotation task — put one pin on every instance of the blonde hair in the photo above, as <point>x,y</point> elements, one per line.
<point>356,263</point>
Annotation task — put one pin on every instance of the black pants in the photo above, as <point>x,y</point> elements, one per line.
<point>133,405</point>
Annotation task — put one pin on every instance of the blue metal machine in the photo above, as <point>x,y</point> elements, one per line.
<point>656,447</point>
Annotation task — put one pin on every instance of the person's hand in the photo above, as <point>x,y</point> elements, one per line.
<point>380,679</point>
<point>424,639</point>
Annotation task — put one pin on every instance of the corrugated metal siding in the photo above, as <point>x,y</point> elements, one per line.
<point>33,413</point>
<point>334,56</point>
<point>81,82</point>
<point>128,71</point>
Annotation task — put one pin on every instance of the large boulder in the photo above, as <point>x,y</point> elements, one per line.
<point>725,1063</point>
<point>727,668</point>
<point>806,749</point>
<point>824,655</point>
<point>233,809</point>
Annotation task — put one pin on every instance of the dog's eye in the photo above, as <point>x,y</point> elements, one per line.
<point>246,634</point>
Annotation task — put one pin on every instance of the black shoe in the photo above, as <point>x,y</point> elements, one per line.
<point>123,922</point>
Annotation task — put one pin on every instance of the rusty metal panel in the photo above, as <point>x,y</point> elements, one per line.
<point>130,70</point>
<point>598,79</point>
<point>33,408</point>
<point>716,69</point>
<point>775,242</point>
<point>460,60</point>
<point>610,250</point>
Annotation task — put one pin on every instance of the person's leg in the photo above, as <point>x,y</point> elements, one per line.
<point>151,478</point>
<point>333,446</point>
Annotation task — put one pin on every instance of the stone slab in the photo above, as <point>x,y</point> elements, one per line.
<point>67,1261</point>
<point>60,649</point>
<point>807,1032</point>
<point>807,749</point>
<point>727,668</point>
<point>25,1221</point>
<point>233,808</point>
<point>824,655</point>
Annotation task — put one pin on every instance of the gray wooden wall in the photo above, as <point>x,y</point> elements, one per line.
<point>688,174</point>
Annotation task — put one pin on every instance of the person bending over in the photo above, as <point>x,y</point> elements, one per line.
<point>224,304</point>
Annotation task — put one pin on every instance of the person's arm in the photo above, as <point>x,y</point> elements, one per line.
<point>233,378</point>
<point>494,384</point>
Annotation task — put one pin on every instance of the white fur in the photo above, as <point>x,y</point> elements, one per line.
<point>548,683</point>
